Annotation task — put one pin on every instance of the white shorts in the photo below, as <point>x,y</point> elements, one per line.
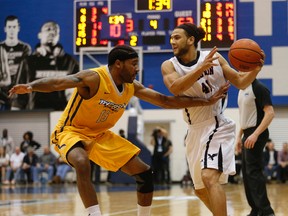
<point>210,144</point>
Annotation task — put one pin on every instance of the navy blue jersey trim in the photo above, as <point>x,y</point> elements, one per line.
<point>188,116</point>
<point>209,141</point>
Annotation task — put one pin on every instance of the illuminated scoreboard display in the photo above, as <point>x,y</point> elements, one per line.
<point>149,23</point>
<point>218,20</point>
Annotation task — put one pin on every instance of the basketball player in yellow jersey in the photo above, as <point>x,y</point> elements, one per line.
<point>99,99</point>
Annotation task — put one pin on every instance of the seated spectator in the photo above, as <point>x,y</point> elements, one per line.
<point>7,142</point>
<point>47,163</point>
<point>283,163</point>
<point>4,162</point>
<point>28,142</point>
<point>62,170</point>
<point>270,161</point>
<point>13,174</point>
<point>31,165</point>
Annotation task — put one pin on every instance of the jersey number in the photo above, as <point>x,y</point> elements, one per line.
<point>103,116</point>
<point>206,87</point>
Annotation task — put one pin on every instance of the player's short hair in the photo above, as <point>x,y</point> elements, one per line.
<point>121,52</point>
<point>192,30</point>
<point>10,18</point>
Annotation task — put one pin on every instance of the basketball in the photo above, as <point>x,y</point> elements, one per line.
<point>244,55</point>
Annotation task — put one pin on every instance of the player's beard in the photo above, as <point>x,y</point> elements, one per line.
<point>182,51</point>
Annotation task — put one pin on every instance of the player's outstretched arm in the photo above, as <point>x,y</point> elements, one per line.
<point>176,102</point>
<point>83,79</point>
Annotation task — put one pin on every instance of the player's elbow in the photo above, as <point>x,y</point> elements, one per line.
<point>269,111</point>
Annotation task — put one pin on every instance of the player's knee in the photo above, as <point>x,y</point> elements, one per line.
<point>210,177</point>
<point>144,181</point>
<point>81,163</point>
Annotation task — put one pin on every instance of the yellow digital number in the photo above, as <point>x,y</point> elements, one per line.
<point>159,5</point>
<point>116,19</point>
<point>83,10</point>
<point>133,40</point>
<point>167,3</point>
<point>154,24</point>
<point>78,41</point>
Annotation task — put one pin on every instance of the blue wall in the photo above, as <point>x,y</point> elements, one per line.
<point>33,13</point>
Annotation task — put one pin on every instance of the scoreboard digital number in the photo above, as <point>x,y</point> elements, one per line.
<point>153,5</point>
<point>149,23</point>
<point>88,27</point>
<point>218,20</point>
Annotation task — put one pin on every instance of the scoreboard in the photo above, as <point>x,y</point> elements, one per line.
<point>149,23</point>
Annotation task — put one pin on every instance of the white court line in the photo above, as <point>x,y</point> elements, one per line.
<point>178,199</point>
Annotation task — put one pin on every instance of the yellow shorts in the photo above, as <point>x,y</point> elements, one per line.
<point>107,149</point>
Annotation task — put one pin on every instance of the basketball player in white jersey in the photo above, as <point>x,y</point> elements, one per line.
<point>211,135</point>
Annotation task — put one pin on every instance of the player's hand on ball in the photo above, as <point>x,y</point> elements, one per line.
<point>261,63</point>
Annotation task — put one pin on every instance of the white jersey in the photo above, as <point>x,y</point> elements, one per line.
<point>207,84</point>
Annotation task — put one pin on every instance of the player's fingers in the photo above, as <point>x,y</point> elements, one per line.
<point>263,54</point>
<point>212,52</point>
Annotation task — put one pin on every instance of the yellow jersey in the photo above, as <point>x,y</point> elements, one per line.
<point>99,113</point>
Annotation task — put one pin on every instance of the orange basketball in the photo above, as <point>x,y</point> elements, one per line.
<point>244,55</point>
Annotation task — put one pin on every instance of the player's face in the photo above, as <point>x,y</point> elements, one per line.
<point>130,70</point>
<point>12,29</point>
<point>49,34</point>
<point>178,42</point>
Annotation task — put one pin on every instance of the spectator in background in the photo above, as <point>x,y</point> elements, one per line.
<point>270,161</point>
<point>166,157</point>
<point>48,60</point>
<point>4,162</point>
<point>29,142</point>
<point>31,165</point>
<point>122,133</point>
<point>14,173</point>
<point>7,142</point>
<point>160,157</point>
<point>48,163</point>
<point>283,163</point>
<point>62,170</point>
<point>15,51</point>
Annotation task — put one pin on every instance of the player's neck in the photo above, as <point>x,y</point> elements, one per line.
<point>189,59</point>
<point>11,41</point>
<point>189,56</point>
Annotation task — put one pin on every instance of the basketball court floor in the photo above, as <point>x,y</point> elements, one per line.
<point>120,200</point>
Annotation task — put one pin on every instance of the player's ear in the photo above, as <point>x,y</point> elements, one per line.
<point>118,63</point>
<point>191,40</point>
<point>39,35</point>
